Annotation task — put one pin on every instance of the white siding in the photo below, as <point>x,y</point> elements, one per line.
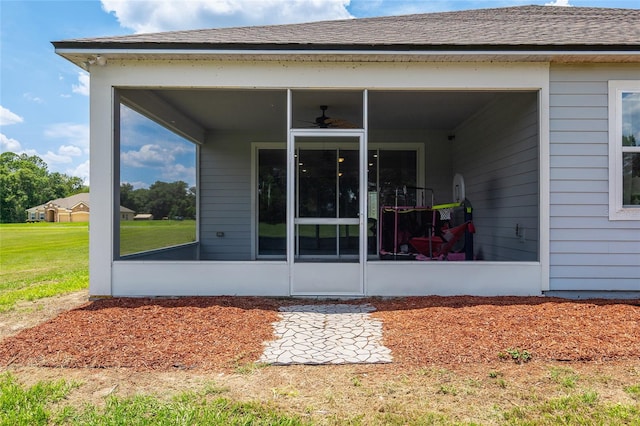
<point>497,153</point>
<point>587,251</point>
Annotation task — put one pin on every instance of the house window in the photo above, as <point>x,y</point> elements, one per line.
<point>624,150</point>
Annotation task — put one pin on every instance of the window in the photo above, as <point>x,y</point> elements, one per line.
<point>272,203</point>
<point>624,150</point>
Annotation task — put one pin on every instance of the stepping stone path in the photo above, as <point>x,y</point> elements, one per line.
<point>326,334</point>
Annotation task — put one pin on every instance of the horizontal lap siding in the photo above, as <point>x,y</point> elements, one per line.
<point>587,251</point>
<point>497,153</point>
<point>225,198</point>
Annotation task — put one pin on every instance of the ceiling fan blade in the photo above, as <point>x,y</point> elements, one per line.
<point>325,122</point>
<point>340,124</point>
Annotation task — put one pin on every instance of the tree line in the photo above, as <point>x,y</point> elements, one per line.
<point>173,200</point>
<point>25,182</point>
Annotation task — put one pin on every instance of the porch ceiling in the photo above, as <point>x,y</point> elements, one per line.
<point>229,109</point>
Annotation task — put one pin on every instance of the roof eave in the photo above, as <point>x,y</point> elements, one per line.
<point>85,56</point>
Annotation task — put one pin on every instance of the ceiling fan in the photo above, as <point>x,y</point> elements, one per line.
<point>325,122</point>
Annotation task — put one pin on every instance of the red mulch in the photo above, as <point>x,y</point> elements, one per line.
<point>218,333</point>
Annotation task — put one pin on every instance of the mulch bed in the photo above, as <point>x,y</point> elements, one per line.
<point>221,333</point>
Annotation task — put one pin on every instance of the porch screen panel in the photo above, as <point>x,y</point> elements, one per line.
<point>327,199</point>
<point>158,183</point>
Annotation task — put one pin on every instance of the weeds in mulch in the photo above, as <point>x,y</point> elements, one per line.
<point>519,356</point>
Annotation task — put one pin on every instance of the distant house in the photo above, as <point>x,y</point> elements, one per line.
<point>143,216</point>
<point>126,214</point>
<point>327,150</point>
<point>70,209</point>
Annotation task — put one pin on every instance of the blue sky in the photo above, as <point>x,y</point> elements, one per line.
<point>44,104</point>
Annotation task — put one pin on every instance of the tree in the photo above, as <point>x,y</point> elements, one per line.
<point>25,182</point>
<point>126,196</point>
<point>171,200</point>
<point>162,199</point>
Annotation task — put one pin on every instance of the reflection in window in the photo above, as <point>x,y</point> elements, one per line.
<point>272,202</point>
<point>157,182</point>
<point>630,149</point>
<point>316,186</point>
<point>392,178</point>
<point>397,178</point>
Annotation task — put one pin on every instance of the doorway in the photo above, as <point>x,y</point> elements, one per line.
<point>327,242</point>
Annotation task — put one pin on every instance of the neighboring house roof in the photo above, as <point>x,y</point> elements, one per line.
<point>70,202</point>
<point>66,203</point>
<point>524,27</point>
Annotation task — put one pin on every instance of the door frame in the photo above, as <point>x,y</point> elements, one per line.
<point>348,269</point>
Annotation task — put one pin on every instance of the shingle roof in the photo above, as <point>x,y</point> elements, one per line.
<point>67,203</point>
<point>524,27</point>
<point>71,201</point>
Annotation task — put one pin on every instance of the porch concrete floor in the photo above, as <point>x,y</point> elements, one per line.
<point>326,334</point>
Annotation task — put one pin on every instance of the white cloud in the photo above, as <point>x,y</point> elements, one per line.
<point>72,134</point>
<point>177,172</point>
<point>51,158</point>
<point>82,88</point>
<point>564,3</point>
<point>81,171</point>
<point>7,117</point>
<point>70,150</point>
<point>138,184</point>
<point>150,155</point>
<point>166,15</point>
<point>8,144</point>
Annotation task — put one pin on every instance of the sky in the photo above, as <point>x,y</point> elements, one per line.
<point>44,99</point>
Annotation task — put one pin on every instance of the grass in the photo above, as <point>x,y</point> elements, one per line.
<point>43,404</point>
<point>580,409</point>
<point>28,406</point>
<point>47,259</point>
<point>138,236</point>
<point>279,230</point>
<point>50,402</point>
<point>42,259</point>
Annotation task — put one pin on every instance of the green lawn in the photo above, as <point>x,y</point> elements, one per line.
<point>42,259</point>
<point>152,234</point>
<point>44,404</point>
<point>46,259</point>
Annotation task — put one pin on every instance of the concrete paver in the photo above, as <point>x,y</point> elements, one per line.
<point>326,334</point>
